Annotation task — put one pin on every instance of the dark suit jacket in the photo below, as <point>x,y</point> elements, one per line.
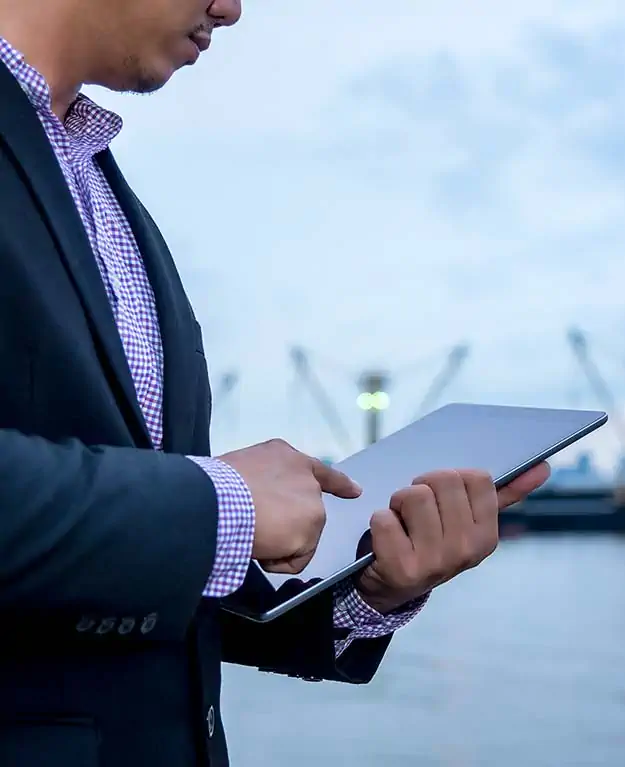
<point>108,654</point>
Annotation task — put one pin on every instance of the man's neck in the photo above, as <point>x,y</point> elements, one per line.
<point>42,33</point>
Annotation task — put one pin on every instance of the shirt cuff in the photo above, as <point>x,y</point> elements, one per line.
<point>235,527</point>
<point>364,622</point>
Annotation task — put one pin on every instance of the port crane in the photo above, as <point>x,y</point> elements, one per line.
<point>373,397</point>
<point>581,349</point>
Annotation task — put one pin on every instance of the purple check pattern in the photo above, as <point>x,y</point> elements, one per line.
<point>87,130</point>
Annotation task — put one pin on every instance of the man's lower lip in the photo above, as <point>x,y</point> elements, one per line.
<point>201,40</point>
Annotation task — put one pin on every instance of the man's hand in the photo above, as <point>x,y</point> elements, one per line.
<point>286,487</point>
<point>444,524</point>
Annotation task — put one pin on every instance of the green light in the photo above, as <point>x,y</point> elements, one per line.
<point>364,401</point>
<point>382,400</point>
<point>378,400</point>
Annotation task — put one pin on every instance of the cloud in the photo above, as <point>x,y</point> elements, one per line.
<point>379,186</point>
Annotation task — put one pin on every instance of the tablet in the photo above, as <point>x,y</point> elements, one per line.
<point>504,441</point>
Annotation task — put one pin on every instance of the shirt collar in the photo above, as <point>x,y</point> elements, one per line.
<point>86,122</point>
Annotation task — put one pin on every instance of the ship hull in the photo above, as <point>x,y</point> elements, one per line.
<point>555,511</point>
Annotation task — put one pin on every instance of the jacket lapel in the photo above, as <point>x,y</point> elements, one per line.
<point>174,313</point>
<point>27,143</point>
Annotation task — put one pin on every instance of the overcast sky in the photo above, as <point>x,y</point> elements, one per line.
<point>378,182</point>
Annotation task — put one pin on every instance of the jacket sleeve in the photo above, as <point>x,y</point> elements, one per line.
<point>301,643</point>
<point>102,537</point>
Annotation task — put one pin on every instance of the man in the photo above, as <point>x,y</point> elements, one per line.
<point>119,536</point>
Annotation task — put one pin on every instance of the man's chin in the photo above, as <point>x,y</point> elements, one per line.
<point>144,89</point>
<point>146,85</point>
<point>142,83</point>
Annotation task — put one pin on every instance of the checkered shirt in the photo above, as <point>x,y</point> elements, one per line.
<point>87,130</point>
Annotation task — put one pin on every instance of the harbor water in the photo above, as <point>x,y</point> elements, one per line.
<point>519,662</point>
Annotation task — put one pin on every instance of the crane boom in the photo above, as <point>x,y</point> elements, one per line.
<point>321,397</point>
<point>579,345</point>
<point>455,359</point>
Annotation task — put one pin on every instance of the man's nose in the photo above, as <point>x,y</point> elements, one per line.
<point>225,12</point>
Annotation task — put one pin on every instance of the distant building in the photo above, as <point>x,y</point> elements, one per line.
<point>580,475</point>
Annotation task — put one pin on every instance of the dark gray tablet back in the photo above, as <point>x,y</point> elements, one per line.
<point>501,440</point>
